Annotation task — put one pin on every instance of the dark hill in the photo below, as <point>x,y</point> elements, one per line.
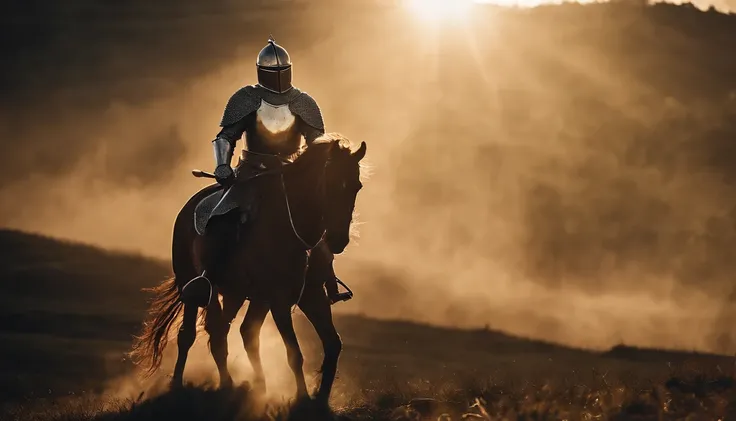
<point>635,90</point>
<point>642,97</point>
<point>69,311</point>
<point>41,273</point>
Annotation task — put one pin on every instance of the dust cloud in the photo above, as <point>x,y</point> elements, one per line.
<point>201,369</point>
<point>558,173</point>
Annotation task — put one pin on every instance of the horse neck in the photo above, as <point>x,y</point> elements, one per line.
<point>304,188</point>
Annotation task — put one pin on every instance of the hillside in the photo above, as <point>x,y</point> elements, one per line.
<point>69,310</point>
<point>596,140</point>
<point>579,150</point>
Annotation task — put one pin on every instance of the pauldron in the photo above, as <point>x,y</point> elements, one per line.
<point>248,99</point>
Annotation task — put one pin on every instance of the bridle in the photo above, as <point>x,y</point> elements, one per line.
<point>280,170</point>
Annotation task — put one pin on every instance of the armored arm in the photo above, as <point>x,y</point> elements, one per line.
<point>234,121</point>
<point>224,146</point>
<point>223,154</point>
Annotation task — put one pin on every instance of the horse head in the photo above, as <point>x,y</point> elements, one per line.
<point>342,184</point>
<point>330,165</point>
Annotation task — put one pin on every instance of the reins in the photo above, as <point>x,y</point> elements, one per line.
<point>280,171</point>
<point>309,247</point>
<point>291,218</point>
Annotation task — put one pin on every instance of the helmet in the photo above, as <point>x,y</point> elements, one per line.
<point>274,68</point>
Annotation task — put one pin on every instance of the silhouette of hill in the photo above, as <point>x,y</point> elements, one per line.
<point>645,95</point>
<point>606,124</point>
<point>69,309</point>
<point>46,273</point>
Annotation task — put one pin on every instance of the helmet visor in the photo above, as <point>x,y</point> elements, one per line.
<point>275,79</point>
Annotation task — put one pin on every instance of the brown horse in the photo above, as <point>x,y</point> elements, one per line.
<point>302,204</point>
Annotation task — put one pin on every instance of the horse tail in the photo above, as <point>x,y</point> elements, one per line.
<point>165,310</point>
<point>163,316</point>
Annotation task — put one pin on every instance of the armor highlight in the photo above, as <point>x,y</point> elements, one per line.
<point>274,68</point>
<point>274,116</point>
<point>223,151</point>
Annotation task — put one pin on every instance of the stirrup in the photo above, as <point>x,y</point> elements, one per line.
<point>197,292</point>
<point>342,296</point>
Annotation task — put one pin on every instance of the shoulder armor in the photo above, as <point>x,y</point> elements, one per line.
<point>306,107</point>
<point>242,103</point>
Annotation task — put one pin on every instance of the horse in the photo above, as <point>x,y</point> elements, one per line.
<point>303,204</point>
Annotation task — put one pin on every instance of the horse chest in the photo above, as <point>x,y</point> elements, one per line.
<point>275,123</point>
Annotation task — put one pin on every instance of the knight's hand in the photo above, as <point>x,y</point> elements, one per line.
<point>224,174</point>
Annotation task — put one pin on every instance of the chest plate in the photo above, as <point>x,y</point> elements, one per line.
<point>276,130</point>
<point>275,119</point>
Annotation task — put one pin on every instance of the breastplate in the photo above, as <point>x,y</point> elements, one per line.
<point>275,130</point>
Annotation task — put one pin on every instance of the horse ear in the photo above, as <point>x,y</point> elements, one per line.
<point>360,153</point>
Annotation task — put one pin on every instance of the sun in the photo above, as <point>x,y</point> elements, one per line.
<point>435,10</point>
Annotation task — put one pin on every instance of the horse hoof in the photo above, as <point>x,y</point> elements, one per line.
<point>322,400</point>
<point>226,382</point>
<point>176,383</point>
<point>302,397</point>
<point>313,408</point>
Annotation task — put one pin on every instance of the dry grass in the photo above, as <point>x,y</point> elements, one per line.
<point>56,359</point>
<point>697,398</point>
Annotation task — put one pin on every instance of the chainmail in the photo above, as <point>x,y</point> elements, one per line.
<point>242,103</point>
<point>245,101</point>
<point>306,107</point>
<point>203,211</point>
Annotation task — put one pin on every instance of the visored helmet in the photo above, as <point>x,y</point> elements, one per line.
<point>274,68</point>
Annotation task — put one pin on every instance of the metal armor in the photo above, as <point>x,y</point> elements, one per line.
<point>275,117</point>
<point>223,149</point>
<point>273,124</point>
<point>274,68</point>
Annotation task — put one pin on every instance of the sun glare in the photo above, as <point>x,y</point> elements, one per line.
<point>435,10</point>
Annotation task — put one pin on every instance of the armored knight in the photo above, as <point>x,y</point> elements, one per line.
<point>275,116</point>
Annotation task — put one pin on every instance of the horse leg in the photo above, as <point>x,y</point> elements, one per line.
<point>250,330</point>
<point>316,307</point>
<point>282,317</point>
<point>185,340</point>
<point>217,325</point>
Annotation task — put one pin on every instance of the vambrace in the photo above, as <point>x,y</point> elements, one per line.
<point>223,151</point>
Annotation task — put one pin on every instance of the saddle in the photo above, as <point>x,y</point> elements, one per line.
<point>204,209</point>
<point>239,195</point>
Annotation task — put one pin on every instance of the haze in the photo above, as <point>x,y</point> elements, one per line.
<point>544,171</point>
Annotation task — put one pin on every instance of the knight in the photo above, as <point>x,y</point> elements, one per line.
<point>277,119</point>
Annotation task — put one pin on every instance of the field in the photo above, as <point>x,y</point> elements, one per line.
<point>571,148</point>
<point>69,310</point>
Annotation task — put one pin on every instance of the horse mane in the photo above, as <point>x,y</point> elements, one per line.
<point>319,149</point>
<point>341,146</point>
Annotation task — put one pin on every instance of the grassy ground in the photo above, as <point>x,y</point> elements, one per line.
<point>525,398</point>
<point>67,312</point>
<point>63,358</point>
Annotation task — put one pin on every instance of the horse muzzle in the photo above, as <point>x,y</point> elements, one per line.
<point>337,244</point>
